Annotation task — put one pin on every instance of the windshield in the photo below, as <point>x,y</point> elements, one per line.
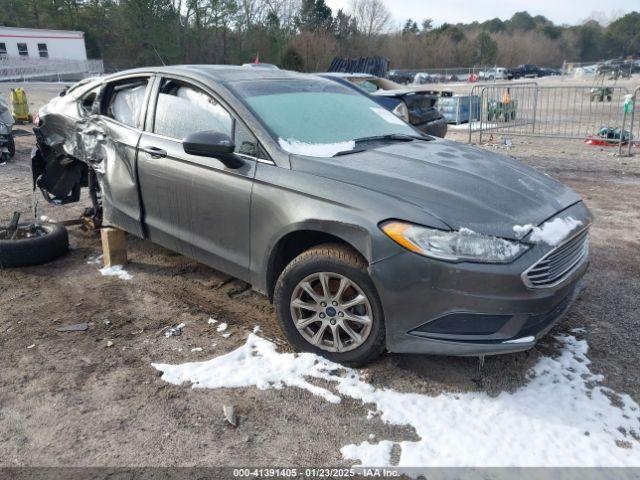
<point>318,117</point>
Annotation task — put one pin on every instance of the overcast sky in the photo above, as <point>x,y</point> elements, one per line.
<point>453,11</point>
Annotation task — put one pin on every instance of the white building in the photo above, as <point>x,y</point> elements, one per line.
<point>35,43</point>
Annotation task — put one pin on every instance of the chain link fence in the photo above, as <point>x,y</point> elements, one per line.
<point>20,69</point>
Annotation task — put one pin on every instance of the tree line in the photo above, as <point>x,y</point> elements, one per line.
<point>306,34</point>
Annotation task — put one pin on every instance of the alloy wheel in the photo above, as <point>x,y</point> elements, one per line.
<point>331,312</point>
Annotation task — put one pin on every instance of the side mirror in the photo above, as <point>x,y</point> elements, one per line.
<point>214,145</point>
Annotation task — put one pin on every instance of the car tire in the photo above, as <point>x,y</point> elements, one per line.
<point>25,252</point>
<point>11,147</point>
<point>334,262</point>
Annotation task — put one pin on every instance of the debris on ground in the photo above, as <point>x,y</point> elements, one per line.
<point>212,321</point>
<point>222,327</point>
<point>76,327</point>
<point>230,414</point>
<point>197,349</point>
<point>94,260</point>
<point>109,343</point>
<point>116,271</point>
<point>31,346</point>
<point>175,331</point>
<point>609,137</point>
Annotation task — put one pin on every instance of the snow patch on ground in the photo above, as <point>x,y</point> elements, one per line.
<point>116,271</point>
<point>562,417</point>
<point>256,363</point>
<point>370,454</point>
<point>222,327</point>
<point>552,232</point>
<point>315,149</point>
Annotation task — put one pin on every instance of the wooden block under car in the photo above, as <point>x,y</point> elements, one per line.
<point>114,246</point>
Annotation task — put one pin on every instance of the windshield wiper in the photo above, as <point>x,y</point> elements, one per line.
<point>347,152</point>
<point>391,137</point>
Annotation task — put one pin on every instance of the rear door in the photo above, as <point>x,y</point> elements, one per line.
<point>111,140</point>
<point>192,204</point>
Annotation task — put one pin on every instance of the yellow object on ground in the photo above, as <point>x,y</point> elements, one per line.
<point>19,105</point>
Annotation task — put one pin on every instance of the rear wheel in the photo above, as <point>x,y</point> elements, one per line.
<point>327,304</point>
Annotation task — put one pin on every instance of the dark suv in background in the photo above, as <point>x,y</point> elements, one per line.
<point>527,71</point>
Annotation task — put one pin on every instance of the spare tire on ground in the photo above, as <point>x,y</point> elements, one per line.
<point>32,244</point>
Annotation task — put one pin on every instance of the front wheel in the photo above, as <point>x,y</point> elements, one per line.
<point>327,304</point>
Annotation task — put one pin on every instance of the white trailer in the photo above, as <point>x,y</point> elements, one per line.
<point>28,53</point>
<point>31,43</point>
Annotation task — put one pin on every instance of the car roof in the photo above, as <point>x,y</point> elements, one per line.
<point>220,73</point>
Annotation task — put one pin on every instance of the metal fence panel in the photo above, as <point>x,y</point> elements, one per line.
<point>573,112</point>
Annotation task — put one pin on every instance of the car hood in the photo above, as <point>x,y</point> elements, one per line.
<point>461,185</point>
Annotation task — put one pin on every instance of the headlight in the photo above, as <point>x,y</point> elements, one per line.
<point>462,245</point>
<point>402,111</point>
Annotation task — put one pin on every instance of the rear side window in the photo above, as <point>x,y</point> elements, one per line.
<point>126,101</point>
<point>182,110</point>
<point>85,103</point>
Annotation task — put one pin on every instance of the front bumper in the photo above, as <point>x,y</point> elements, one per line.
<point>436,307</point>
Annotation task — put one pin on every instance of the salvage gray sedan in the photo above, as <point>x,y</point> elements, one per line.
<point>366,234</point>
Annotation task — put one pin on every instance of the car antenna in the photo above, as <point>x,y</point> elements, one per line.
<point>147,44</point>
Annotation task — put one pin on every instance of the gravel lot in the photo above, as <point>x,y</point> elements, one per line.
<point>92,398</point>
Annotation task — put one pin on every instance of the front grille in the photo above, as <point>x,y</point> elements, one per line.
<point>559,263</point>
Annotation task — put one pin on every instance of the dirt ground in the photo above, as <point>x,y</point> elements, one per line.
<point>92,398</point>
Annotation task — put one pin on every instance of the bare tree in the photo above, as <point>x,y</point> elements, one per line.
<point>372,16</point>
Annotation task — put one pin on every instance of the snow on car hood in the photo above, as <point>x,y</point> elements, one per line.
<point>464,186</point>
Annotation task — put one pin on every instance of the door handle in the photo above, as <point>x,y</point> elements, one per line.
<point>155,152</point>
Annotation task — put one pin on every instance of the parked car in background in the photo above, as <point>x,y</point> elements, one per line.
<point>498,73</point>
<point>401,76</point>
<point>527,71</point>
<point>549,72</point>
<point>7,143</point>
<point>365,233</point>
<point>417,108</point>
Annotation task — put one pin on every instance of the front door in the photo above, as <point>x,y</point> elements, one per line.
<point>191,204</point>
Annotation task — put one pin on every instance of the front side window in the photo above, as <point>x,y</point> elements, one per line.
<point>317,113</point>
<point>43,51</point>
<point>184,109</point>
<point>126,101</point>
<point>23,50</point>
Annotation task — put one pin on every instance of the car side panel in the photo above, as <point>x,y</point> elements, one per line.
<point>115,163</point>
<point>285,201</point>
<point>196,205</point>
